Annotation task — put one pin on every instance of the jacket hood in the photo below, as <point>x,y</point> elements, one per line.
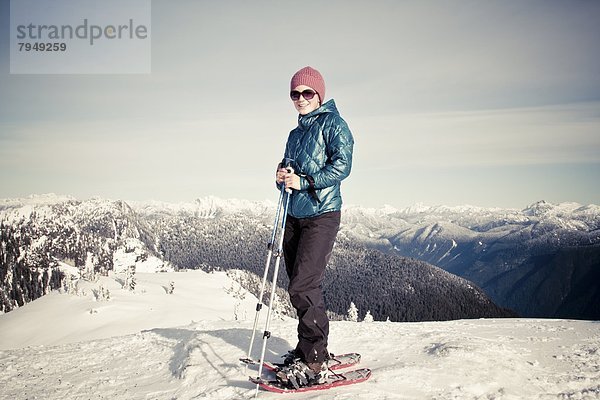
<point>327,107</point>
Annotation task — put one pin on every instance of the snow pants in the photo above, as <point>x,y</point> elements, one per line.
<point>307,246</point>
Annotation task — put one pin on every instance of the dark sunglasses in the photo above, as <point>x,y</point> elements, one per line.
<point>307,94</point>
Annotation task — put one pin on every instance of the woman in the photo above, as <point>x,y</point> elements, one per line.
<point>321,149</point>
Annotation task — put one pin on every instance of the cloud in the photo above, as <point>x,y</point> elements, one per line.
<point>527,136</point>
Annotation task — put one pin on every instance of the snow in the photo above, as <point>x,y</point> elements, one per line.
<point>204,207</point>
<point>35,199</point>
<point>149,344</point>
<point>446,254</point>
<point>131,255</point>
<point>57,319</point>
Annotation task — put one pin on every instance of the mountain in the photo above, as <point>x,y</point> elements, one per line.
<point>43,233</point>
<point>149,344</point>
<point>542,261</point>
<point>233,234</point>
<point>43,237</point>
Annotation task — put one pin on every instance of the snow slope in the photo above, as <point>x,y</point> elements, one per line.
<point>154,345</point>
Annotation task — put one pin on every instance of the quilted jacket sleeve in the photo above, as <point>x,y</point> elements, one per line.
<point>340,143</point>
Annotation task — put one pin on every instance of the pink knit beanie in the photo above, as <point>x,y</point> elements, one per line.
<point>310,77</point>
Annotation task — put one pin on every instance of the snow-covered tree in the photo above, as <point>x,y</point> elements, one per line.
<point>353,312</point>
<point>239,294</point>
<point>101,293</point>
<point>86,270</point>
<point>130,281</point>
<point>368,317</point>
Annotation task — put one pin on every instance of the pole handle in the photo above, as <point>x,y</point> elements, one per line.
<point>287,164</point>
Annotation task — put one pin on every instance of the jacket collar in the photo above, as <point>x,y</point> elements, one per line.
<point>327,107</point>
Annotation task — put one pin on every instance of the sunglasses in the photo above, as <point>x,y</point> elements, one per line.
<point>307,94</point>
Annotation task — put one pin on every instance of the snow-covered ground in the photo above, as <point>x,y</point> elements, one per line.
<point>185,345</point>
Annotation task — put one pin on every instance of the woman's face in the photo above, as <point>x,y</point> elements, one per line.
<point>304,106</point>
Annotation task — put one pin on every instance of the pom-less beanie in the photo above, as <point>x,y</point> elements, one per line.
<point>310,77</point>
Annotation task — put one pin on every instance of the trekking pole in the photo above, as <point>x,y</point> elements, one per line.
<point>278,254</point>
<point>248,359</point>
<point>267,333</point>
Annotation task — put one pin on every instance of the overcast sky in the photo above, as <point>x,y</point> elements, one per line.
<point>493,103</point>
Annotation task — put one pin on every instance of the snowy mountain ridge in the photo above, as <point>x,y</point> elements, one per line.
<point>96,236</point>
<point>569,215</point>
<point>516,256</point>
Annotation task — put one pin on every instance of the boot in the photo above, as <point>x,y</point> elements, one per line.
<point>319,369</point>
<point>290,357</point>
<point>301,374</point>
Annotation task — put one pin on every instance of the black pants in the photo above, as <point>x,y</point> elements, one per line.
<point>307,246</point>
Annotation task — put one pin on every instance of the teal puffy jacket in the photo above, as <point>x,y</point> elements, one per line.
<point>321,147</point>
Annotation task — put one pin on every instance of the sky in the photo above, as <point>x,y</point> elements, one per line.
<point>495,104</point>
